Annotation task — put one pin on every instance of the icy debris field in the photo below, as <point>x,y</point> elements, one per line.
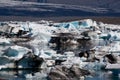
<point>45,50</point>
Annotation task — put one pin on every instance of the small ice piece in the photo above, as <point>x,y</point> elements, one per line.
<point>36,51</point>
<point>29,76</point>
<point>2,66</point>
<point>69,54</point>
<point>113,66</point>
<point>4,41</point>
<point>119,76</point>
<point>82,78</point>
<point>44,54</point>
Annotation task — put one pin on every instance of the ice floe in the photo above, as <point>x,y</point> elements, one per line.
<point>42,44</point>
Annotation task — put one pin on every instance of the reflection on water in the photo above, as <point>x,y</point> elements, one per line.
<point>31,74</point>
<point>103,75</point>
<point>38,75</point>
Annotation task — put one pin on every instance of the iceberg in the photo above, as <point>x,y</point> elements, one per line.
<point>16,52</point>
<point>29,61</point>
<point>41,32</point>
<point>87,23</point>
<point>35,53</point>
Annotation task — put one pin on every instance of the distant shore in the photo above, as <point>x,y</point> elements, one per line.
<point>109,20</point>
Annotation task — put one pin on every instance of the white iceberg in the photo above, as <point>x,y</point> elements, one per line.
<point>16,52</point>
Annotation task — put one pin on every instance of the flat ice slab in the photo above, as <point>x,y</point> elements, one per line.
<point>113,66</point>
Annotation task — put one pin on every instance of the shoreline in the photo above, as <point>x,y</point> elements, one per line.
<point>104,19</point>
